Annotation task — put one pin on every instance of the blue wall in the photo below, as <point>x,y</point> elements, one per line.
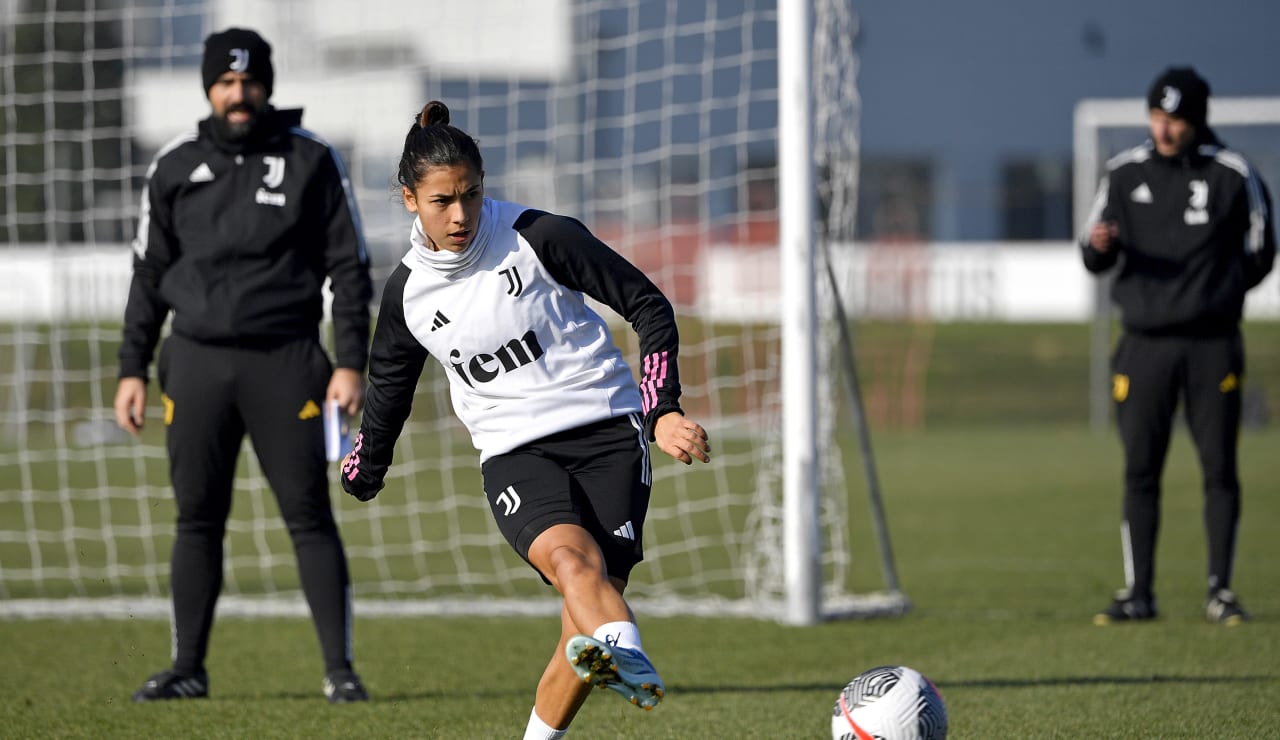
<point>972,83</point>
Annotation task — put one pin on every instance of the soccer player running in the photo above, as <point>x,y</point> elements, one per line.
<point>1189,223</point>
<point>495,292</point>
<point>242,220</point>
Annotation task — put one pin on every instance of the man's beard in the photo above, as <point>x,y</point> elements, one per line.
<point>235,132</point>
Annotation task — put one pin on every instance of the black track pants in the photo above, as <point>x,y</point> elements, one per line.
<point>1151,374</point>
<point>213,396</point>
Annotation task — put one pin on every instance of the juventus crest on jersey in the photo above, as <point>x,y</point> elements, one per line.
<point>508,321</point>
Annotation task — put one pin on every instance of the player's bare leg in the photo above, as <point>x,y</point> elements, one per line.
<point>572,561</point>
<point>560,692</point>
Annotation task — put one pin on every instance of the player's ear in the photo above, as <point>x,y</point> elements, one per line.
<point>410,200</point>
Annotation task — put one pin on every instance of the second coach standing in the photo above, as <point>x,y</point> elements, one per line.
<point>242,220</point>
<point>1189,223</point>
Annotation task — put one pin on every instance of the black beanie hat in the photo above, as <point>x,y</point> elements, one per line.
<point>237,50</point>
<point>1179,91</point>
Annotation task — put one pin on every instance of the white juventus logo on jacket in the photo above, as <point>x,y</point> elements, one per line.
<point>265,197</point>
<point>275,171</point>
<point>1196,214</point>
<point>509,500</point>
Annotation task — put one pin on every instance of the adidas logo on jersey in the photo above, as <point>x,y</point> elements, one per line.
<point>626,531</point>
<point>201,174</point>
<point>1141,194</point>
<point>310,410</point>
<point>440,321</point>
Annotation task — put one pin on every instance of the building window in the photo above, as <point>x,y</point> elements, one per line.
<point>1036,199</point>
<point>895,199</point>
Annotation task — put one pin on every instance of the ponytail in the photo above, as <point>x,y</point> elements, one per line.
<point>433,142</point>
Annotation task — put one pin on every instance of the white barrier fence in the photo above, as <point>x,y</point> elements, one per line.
<point>963,281</point>
<point>957,281</point>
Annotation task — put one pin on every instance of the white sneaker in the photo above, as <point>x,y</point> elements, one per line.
<point>624,670</point>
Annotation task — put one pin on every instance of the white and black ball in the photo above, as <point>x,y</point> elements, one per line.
<point>891,702</point>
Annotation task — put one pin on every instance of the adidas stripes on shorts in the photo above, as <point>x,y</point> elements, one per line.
<point>596,476</point>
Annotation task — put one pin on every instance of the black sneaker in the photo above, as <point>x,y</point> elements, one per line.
<point>171,685</point>
<point>344,687</point>
<point>1224,608</point>
<point>1126,608</point>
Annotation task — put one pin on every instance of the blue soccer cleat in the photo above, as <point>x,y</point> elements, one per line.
<point>624,670</point>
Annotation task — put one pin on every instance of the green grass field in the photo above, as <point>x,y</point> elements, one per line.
<point>1006,540</point>
<point>1004,516</point>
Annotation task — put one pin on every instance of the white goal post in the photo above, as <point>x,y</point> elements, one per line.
<point>661,125</point>
<point>1129,115</point>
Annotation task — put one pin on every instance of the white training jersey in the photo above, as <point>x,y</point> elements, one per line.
<point>507,320</point>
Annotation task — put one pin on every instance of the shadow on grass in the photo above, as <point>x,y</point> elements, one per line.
<point>1014,683</point>
<point>997,683</point>
<point>980,683</point>
<point>375,697</point>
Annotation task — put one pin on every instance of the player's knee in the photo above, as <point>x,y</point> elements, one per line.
<point>570,564</point>
<point>311,526</point>
<point>307,517</point>
<point>1142,482</point>
<point>202,520</point>
<point>1223,486</point>
<point>210,529</point>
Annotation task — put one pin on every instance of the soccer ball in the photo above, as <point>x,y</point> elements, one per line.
<point>891,702</point>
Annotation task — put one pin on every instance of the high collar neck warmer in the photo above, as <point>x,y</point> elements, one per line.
<point>449,263</point>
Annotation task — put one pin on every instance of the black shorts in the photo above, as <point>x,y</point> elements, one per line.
<point>595,476</point>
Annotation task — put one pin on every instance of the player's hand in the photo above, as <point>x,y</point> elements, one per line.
<point>130,404</point>
<point>681,438</point>
<point>1103,236</point>
<point>346,386</point>
<point>349,474</point>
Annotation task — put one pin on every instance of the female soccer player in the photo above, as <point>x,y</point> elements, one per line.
<point>494,291</point>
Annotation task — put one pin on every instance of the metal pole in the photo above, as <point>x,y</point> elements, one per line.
<point>878,521</point>
<point>801,538</point>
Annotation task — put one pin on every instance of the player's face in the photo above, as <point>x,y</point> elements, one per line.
<point>237,100</point>
<point>448,201</point>
<point>1171,134</point>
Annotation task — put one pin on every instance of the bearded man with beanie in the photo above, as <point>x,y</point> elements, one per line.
<point>1188,224</point>
<point>242,220</point>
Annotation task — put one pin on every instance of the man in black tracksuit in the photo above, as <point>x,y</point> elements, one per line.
<point>1189,223</point>
<point>242,220</point>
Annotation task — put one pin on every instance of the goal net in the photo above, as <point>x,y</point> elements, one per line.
<point>652,121</point>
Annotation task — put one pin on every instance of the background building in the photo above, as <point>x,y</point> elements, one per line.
<point>967,107</point>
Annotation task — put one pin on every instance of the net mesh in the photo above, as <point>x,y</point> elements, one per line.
<point>652,121</point>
